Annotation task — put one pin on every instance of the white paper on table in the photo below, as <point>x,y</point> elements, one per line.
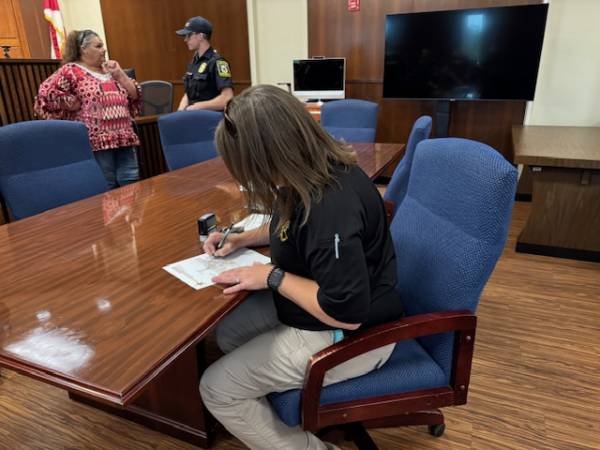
<point>253,221</point>
<point>198,271</point>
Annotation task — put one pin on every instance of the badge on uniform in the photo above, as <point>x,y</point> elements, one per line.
<point>223,69</point>
<point>202,67</point>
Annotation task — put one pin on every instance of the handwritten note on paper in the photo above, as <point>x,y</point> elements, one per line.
<point>198,271</point>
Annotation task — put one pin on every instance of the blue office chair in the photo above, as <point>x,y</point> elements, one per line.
<point>45,164</point>
<point>187,137</point>
<point>396,189</point>
<point>350,120</point>
<point>448,234</point>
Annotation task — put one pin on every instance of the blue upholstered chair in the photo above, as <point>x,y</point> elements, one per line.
<point>350,120</point>
<point>396,189</point>
<point>45,164</point>
<point>448,234</point>
<point>187,137</point>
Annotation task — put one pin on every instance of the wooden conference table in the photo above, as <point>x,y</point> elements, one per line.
<point>85,304</point>
<point>565,212</point>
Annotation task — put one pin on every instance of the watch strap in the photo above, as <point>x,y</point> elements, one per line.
<point>275,278</point>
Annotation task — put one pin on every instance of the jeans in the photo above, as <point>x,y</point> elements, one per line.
<point>119,166</point>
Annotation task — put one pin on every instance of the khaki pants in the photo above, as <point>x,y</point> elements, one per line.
<point>263,356</point>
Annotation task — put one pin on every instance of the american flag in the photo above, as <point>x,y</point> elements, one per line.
<point>55,25</point>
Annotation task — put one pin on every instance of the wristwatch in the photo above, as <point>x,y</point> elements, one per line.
<point>275,278</point>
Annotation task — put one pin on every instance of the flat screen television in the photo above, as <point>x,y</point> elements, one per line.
<point>487,54</point>
<point>319,78</point>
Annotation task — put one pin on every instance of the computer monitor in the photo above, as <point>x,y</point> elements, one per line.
<point>319,78</point>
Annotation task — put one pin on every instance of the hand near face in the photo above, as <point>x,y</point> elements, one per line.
<point>249,278</point>
<point>113,68</point>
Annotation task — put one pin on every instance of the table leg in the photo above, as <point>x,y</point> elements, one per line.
<point>171,404</point>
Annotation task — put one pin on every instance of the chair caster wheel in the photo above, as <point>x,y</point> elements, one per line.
<point>437,430</point>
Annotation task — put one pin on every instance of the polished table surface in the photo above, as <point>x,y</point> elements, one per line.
<point>85,303</point>
<point>567,147</point>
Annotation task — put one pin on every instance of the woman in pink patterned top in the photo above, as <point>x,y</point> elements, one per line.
<point>89,89</point>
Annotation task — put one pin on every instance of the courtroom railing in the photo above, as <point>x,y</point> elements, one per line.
<point>150,157</point>
<point>19,83</point>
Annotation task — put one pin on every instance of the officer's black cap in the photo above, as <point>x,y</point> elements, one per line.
<point>196,25</point>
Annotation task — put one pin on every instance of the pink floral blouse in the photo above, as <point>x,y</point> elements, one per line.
<point>106,109</point>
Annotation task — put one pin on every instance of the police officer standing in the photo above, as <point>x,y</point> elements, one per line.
<point>207,83</point>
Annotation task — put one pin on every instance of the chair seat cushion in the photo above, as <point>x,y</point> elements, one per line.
<point>409,368</point>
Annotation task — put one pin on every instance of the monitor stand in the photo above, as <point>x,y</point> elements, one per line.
<point>442,118</point>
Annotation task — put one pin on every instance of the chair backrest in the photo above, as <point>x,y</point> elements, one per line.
<point>45,164</point>
<point>450,230</point>
<point>130,72</point>
<point>397,186</point>
<point>157,97</point>
<point>187,137</point>
<point>351,120</point>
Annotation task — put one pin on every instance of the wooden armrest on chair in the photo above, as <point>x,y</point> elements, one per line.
<point>461,322</point>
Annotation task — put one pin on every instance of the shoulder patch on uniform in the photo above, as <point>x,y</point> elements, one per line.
<point>223,68</point>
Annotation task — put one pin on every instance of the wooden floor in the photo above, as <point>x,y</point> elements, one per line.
<point>535,381</point>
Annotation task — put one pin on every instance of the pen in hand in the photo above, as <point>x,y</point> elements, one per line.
<point>222,241</point>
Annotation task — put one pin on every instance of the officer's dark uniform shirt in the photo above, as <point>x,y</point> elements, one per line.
<point>346,247</point>
<point>207,76</point>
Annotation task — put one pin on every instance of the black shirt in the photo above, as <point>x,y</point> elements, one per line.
<point>206,77</point>
<point>346,247</point>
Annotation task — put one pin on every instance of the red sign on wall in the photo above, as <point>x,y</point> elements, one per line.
<point>353,5</point>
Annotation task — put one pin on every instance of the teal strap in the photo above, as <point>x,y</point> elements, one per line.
<point>338,335</point>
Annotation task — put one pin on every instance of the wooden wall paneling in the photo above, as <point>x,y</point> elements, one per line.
<point>178,92</point>
<point>12,31</point>
<point>36,28</point>
<point>360,37</point>
<point>141,34</point>
<point>488,121</point>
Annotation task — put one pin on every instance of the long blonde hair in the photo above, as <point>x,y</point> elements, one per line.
<point>269,140</point>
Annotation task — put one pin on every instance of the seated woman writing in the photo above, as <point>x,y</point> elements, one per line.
<point>332,271</point>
